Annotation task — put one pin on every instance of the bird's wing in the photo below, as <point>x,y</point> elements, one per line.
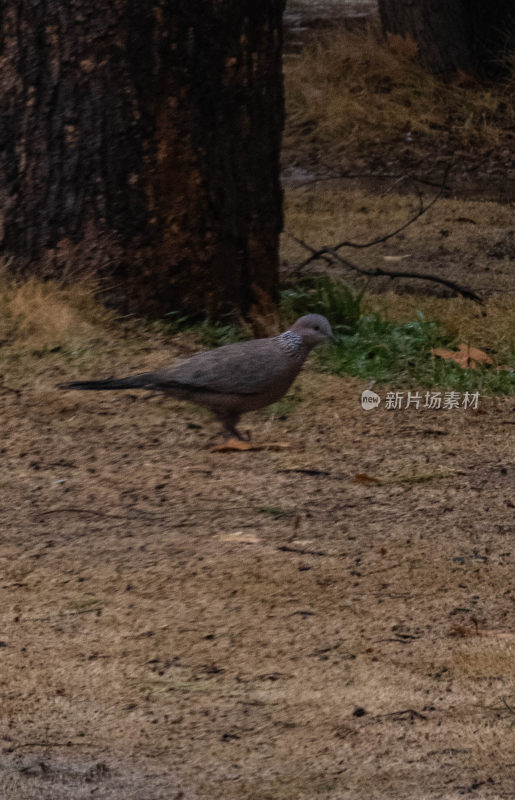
<point>242,368</point>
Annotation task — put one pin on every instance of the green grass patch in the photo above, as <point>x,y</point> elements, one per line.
<point>213,334</point>
<point>400,353</point>
<point>210,334</point>
<point>373,347</point>
<point>337,301</point>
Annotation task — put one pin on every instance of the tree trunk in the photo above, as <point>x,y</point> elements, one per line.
<point>452,35</point>
<point>140,142</point>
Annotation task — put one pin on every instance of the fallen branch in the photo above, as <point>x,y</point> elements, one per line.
<point>64,615</point>
<point>316,254</point>
<point>73,510</point>
<point>13,747</point>
<point>286,549</point>
<point>380,272</point>
<point>331,251</point>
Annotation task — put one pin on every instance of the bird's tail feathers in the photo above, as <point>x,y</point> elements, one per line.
<point>142,381</point>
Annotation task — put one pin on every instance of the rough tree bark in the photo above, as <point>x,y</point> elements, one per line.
<point>139,141</point>
<point>467,35</point>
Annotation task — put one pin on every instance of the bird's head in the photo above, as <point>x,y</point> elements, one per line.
<point>314,329</point>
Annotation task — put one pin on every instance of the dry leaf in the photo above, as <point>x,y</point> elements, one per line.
<point>362,477</point>
<point>465,356</point>
<point>404,47</point>
<point>395,258</point>
<point>238,445</point>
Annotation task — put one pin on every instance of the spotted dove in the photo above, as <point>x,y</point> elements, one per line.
<point>233,379</point>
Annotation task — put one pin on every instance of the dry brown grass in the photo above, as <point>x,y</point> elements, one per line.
<point>328,212</point>
<point>486,657</point>
<point>350,90</point>
<point>46,315</point>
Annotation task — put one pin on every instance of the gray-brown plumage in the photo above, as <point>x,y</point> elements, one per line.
<point>235,378</point>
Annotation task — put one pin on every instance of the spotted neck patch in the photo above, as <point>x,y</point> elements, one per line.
<point>291,342</point>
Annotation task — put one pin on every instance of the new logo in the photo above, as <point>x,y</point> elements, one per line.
<point>369,400</point>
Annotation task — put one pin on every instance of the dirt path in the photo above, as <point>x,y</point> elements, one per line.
<point>182,624</point>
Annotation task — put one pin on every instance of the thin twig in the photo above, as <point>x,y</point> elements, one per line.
<point>413,182</point>
<point>508,706</point>
<point>421,164</point>
<point>73,510</point>
<point>316,254</point>
<point>308,247</point>
<point>383,569</point>
<point>286,549</point>
<point>379,271</point>
<point>142,515</point>
<point>64,615</point>
<point>411,711</point>
<point>13,747</point>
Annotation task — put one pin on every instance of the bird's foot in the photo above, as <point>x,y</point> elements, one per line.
<point>234,444</point>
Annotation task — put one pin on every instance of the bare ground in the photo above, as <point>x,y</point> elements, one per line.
<point>183,624</point>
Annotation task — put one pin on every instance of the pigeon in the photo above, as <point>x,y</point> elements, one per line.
<point>232,379</point>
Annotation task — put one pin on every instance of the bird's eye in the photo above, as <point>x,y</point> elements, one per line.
<point>317,327</point>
